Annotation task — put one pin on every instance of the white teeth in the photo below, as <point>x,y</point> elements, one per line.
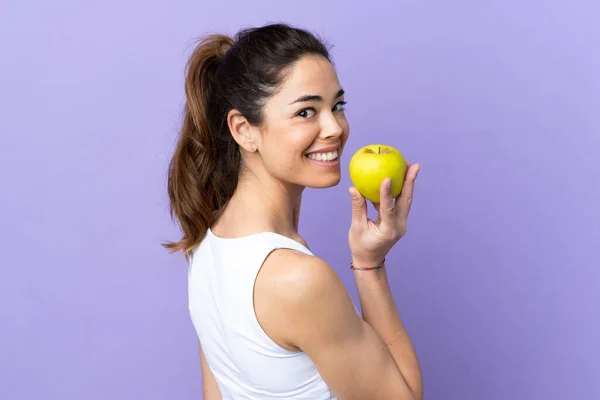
<point>332,155</point>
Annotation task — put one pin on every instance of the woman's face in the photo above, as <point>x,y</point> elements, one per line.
<point>305,128</point>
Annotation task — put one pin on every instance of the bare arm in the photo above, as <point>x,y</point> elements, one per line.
<point>379,311</point>
<point>310,309</point>
<point>301,302</point>
<point>210,389</point>
<point>369,242</point>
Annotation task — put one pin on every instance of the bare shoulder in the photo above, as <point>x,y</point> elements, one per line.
<point>291,287</point>
<point>302,304</point>
<point>292,276</point>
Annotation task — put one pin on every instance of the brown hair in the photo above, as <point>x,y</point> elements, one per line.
<point>224,74</point>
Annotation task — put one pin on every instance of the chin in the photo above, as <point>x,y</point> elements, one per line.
<point>325,182</point>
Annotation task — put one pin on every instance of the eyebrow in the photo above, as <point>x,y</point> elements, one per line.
<point>312,97</point>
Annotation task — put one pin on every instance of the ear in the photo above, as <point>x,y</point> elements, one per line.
<point>241,130</point>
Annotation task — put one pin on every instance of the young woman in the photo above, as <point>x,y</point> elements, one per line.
<point>265,119</point>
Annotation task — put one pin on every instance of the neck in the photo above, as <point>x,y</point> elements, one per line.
<point>262,203</point>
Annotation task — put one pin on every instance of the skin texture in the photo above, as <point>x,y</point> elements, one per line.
<point>299,300</point>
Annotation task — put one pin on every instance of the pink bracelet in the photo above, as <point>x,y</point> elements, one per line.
<point>354,267</point>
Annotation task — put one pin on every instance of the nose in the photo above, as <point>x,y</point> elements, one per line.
<point>331,127</point>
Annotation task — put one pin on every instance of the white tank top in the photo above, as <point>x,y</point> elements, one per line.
<point>246,363</point>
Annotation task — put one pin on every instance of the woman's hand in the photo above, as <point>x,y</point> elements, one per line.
<point>370,241</point>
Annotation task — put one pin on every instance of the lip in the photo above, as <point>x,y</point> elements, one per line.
<point>325,149</point>
<point>334,163</point>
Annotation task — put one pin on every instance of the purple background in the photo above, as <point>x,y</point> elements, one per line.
<point>497,279</point>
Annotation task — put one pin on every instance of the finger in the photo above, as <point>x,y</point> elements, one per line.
<point>408,164</point>
<point>359,207</point>
<point>387,204</point>
<point>377,206</point>
<point>404,202</point>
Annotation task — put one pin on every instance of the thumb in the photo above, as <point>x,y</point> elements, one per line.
<point>359,206</point>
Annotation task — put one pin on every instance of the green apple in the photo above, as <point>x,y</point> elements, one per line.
<point>373,163</point>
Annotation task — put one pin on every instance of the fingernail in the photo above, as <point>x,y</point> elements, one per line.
<point>353,194</point>
<point>388,183</point>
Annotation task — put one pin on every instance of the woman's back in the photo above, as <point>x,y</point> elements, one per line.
<point>246,363</point>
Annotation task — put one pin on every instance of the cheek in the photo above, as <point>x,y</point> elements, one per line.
<point>283,160</point>
<point>285,149</point>
<point>297,141</point>
<point>287,143</point>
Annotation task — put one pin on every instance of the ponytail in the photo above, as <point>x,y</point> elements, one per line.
<point>194,196</point>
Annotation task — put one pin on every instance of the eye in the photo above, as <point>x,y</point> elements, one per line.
<point>306,113</point>
<point>340,106</point>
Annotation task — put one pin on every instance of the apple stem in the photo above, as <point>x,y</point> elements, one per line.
<point>379,150</point>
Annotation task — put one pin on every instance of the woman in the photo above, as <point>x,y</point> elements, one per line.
<point>265,119</point>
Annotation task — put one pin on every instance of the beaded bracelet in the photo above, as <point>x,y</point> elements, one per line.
<point>354,267</point>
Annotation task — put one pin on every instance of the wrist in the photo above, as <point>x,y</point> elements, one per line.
<point>363,267</point>
<point>367,262</point>
<point>371,279</point>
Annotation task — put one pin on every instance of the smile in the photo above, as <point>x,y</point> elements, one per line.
<point>327,157</point>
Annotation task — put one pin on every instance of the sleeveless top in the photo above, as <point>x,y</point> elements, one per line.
<point>246,363</point>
